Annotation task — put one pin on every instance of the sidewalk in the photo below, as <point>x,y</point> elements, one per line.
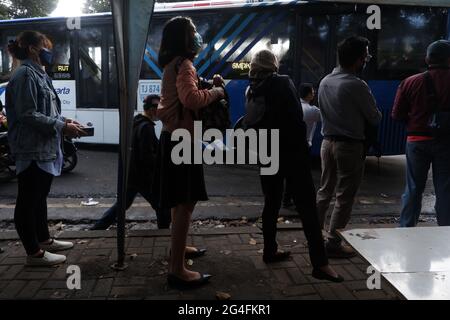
<point>234,258</point>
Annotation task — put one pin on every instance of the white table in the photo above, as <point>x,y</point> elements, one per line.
<point>416,261</point>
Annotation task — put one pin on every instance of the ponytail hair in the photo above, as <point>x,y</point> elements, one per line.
<point>19,48</point>
<point>16,51</point>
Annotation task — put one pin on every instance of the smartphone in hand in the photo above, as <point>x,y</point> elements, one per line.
<point>89,131</point>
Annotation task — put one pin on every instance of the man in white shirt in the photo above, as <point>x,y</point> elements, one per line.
<point>311,116</point>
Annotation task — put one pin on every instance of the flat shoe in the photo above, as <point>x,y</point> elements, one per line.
<point>181,284</point>
<point>195,254</point>
<point>277,257</point>
<point>321,275</point>
<point>47,260</point>
<point>56,246</point>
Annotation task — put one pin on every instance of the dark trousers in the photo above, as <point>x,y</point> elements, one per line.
<point>30,214</point>
<point>287,197</point>
<point>297,173</point>
<point>163,216</point>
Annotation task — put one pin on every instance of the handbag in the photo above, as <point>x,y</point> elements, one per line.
<point>439,122</point>
<point>214,116</point>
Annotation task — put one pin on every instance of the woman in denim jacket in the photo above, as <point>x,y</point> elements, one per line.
<point>35,131</point>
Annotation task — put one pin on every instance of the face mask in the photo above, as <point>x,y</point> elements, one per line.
<point>46,57</point>
<point>198,42</point>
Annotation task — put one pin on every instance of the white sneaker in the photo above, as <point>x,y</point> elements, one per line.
<point>56,246</point>
<point>49,259</point>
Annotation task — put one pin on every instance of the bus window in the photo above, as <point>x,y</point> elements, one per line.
<point>60,38</point>
<point>1,65</point>
<point>150,68</point>
<point>351,25</point>
<point>404,38</point>
<point>90,64</point>
<point>315,36</point>
<point>250,32</point>
<point>113,84</point>
<point>62,69</point>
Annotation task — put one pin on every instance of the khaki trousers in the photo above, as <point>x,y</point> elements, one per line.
<point>342,173</point>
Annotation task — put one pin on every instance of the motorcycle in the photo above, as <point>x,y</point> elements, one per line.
<point>7,164</point>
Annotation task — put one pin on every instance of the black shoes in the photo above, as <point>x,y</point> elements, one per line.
<point>193,255</point>
<point>276,257</point>
<point>340,251</point>
<point>321,275</point>
<point>99,225</point>
<point>181,284</point>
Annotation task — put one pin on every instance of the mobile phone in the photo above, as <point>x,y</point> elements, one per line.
<point>89,131</point>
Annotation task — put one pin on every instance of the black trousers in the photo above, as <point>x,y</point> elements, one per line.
<point>296,171</point>
<point>30,214</point>
<point>163,216</point>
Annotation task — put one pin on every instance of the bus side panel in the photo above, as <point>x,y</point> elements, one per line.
<point>236,92</point>
<point>392,134</point>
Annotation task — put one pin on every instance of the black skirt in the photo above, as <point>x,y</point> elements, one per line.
<point>176,184</point>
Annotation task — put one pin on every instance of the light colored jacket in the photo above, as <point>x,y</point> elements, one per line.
<point>34,124</point>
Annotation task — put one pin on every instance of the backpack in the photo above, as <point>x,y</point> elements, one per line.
<point>214,116</point>
<point>440,120</point>
<point>255,109</point>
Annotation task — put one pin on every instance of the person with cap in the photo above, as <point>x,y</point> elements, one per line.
<point>143,158</point>
<point>414,105</point>
<point>283,112</point>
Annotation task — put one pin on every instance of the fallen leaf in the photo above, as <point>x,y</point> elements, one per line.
<point>82,242</point>
<point>253,242</point>
<point>223,296</point>
<point>226,252</point>
<point>261,251</point>
<point>281,219</point>
<point>190,262</point>
<point>164,263</point>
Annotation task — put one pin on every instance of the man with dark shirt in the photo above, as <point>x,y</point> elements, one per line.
<point>143,162</point>
<point>414,106</point>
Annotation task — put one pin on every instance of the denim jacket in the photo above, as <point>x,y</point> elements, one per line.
<point>33,123</point>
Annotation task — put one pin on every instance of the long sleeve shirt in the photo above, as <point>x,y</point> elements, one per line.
<point>347,105</point>
<point>180,90</point>
<point>412,105</point>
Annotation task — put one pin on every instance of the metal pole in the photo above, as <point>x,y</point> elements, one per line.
<point>131,20</point>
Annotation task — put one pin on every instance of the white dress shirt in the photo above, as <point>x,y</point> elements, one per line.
<point>311,115</point>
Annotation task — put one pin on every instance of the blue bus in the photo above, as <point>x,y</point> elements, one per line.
<point>303,34</point>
